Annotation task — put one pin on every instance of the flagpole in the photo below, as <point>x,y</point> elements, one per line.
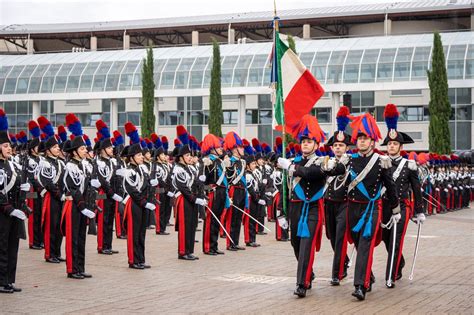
<point>280,99</point>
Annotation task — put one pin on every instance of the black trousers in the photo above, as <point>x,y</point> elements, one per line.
<point>336,217</point>
<point>108,223</point>
<point>187,219</point>
<point>37,237</point>
<point>165,211</point>
<point>236,215</point>
<point>54,233</point>
<point>9,242</point>
<point>139,217</point>
<point>260,216</point>
<point>250,226</point>
<point>305,248</point>
<point>365,246</point>
<point>388,238</point>
<point>211,226</point>
<point>76,226</point>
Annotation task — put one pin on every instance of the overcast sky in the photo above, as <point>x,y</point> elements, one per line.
<point>67,11</point>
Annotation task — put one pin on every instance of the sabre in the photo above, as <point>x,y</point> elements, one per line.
<point>248,214</point>
<point>390,281</point>
<point>222,226</point>
<point>434,205</point>
<point>352,257</point>
<point>416,252</point>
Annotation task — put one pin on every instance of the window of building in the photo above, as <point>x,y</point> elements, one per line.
<point>417,92</point>
<point>362,102</point>
<point>171,118</point>
<point>368,65</point>
<point>319,65</point>
<point>323,114</point>
<point>456,58</point>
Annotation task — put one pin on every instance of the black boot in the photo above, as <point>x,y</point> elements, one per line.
<point>300,291</point>
<point>335,281</point>
<point>359,292</point>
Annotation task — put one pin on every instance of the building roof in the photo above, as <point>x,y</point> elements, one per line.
<point>296,14</point>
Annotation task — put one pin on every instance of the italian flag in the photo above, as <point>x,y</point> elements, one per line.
<point>296,89</point>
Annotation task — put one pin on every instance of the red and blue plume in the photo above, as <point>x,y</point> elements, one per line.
<point>287,153</point>
<point>102,129</point>
<point>298,149</point>
<point>99,136</point>
<point>119,140</point>
<point>113,141</point>
<point>247,147</point>
<point>391,116</point>
<point>34,129</point>
<point>256,145</point>
<point>177,143</point>
<point>132,132</point>
<point>279,145</point>
<point>62,133</point>
<point>12,138</point>
<point>87,141</point>
<point>342,118</point>
<point>149,144</point>
<point>3,120</point>
<point>21,136</point>
<point>182,134</point>
<point>43,137</point>
<point>143,143</point>
<point>309,128</point>
<point>210,142</point>
<point>366,125</point>
<point>156,140</point>
<point>266,148</point>
<point>74,125</point>
<point>45,126</point>
<point>232,140</point>
<point>164,140</point>
<point>292,148</point>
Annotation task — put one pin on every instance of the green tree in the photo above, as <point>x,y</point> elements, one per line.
<point>215,99</point>
<point>439,106</point>
<point>148,95</point>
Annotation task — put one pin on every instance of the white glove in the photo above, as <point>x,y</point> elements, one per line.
<point>269,194</point>
<point>446,190</point>
<point>150,206</point>
<point>25,187</point>
<point>206,161</point>
<point>63,197</point>
<point>170,194</point>
<point>226,162</point>
<point>262,202</point>
<point>284,163</point>
<point>117,198</point>
<point>95,183</point>
<point>283,222</point>
<point>18,214</point>
<point>88,213</point>
<point>202,178</point>
<point>420,218</point>
<point>450,186</point>
<point>264,181</point>
<point>201,202</point>
<point>396,217</point>
<point>331,164</point>
<point>120,172</point>
<point>154,182</point>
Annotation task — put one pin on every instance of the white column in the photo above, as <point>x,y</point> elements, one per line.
<point>472,21</point>
<point>387,26</point>
<point>231,36</point>
<point>335,107</point>
<point>306,31</point>
<point>30,48</point>
<point>113,114</point>
<point>36,109</point>
<point>195,38</point>
<point>241,123</point>
<point>126,41</point>
<point>93,43</point>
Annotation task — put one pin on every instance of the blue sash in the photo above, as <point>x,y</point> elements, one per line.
<point>212,157</point>
<point>244,183</point>
<point>369,209</point>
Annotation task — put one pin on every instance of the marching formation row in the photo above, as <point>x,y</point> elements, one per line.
<point>361,195</point>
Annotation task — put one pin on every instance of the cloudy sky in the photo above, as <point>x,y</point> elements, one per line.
<point>66,11</point>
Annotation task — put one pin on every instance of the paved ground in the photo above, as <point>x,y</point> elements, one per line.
<point>254,281</point>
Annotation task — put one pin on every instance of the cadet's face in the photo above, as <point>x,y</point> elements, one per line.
<point>339,148</point>
<point>163,157</point>
<point>188,159</point>
<point>82,152</point>
<point>55,151</point>
<point>148,156</point>
<point>138,158</point>
<point>219,151</point>
<point>260,162</point>
<point>240,150</point>
<point>393,147</point>
<point>253,165</point>
<point>6,150</point>
<point>364,143</point>
<point>308,146</point>
<point>109,151</point>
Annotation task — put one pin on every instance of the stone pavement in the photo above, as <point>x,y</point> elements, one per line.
<point>255,281</point>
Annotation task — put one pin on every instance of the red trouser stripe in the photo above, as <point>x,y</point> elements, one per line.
<point>31,222</point>
<point>129,217</point>
<point>372,244</point>
<point>400,248</point>
<point>118,223</point>
<point>67,218</point>
<point>181,226</point>
<point>157,215</point>
<point>317,234</point>
<point>207,224</point>
<point>46,223</point>
<point>100,223</point>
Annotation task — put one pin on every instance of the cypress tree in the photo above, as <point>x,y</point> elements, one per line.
<point>148,95</point>
<point>216,119</point>
<point>439,106</point>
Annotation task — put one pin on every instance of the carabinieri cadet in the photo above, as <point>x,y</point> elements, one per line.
<point>262,182</point>
<point>281,232</point>
<point>335,199</point>
<point>405,176</point>
<point>12,214</point>
<point>92,186</point>
<point>76,211</point>
<point>35,231</point>
<point>163,168</point>
<point>369,172</point>
<point>308,175</point>
<point>214,164</point>
<point>186,201</point>
<point>147,169</point>
<point>237,189</point>
<point>117,182</point>
<point>50,177</point>
<point>136,184</point>
<point>105,174</point>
